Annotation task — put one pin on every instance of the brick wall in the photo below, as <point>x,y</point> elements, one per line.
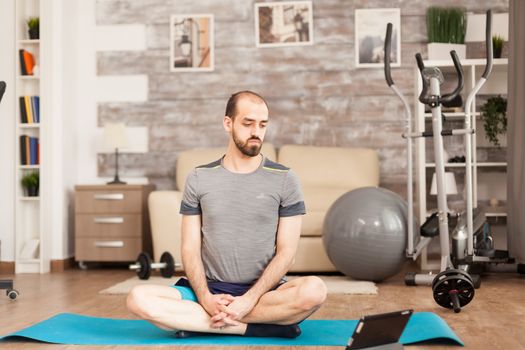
<point>316,94</point>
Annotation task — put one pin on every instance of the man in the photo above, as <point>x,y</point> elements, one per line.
<point>240,230</point>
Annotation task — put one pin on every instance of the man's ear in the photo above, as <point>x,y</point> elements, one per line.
<point>227,122</point>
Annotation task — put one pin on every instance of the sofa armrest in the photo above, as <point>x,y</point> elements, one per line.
<point>166,223</point>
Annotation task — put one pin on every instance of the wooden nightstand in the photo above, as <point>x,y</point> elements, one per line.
<point>111,222</point>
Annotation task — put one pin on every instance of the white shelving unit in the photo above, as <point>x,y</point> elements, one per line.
<point>424,163</point>
<point>31,253</point>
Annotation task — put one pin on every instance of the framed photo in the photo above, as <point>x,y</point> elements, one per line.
<point>287,23</point>
<point>191,43</point>
<point>370,31</point>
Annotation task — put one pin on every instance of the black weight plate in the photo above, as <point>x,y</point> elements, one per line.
<point>450,272</point>
<point>144,260</point>
<point>463,287</point>
<point>12,294</point>
<point>169,270</point>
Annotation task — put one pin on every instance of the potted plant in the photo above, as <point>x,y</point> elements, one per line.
<point>494,116</point>
<point>497,46</point>
<point>30,183</point>
<point>33,25</point>
<point>446,29</point>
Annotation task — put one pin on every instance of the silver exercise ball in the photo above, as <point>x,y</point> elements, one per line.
<point>365,233</point>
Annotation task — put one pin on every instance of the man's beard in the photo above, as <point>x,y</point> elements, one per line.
<point>245,148</point>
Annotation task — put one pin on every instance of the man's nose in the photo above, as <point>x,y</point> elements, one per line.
<point>256,129</point>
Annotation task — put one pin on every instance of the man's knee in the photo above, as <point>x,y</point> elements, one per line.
<point>135,299</point>
<point>139,301</point>
<point>312,293</point>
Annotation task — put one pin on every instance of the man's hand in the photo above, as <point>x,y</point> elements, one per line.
<point>237,309</point>
<point>212,302</point>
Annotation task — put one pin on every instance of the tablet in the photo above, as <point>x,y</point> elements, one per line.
<point>381,331</point>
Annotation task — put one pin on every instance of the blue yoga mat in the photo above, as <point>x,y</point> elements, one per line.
<point>87,330</point>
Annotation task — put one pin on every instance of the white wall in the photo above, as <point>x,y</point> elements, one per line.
<point>69,109</point>
<point>84,84</point>
<point>7,127</point>
<point>81,91</point>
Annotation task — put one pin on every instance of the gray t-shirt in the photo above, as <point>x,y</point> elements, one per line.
<point>240,215</point>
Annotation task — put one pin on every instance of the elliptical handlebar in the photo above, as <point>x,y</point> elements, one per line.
<point>488,44</point>
<point>420,63</point>
<point>459,71</point>
<point>424,90</point>
<point>423,98</point>
<point>388,39</point>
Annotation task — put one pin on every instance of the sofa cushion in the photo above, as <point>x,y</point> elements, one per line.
<point>311,256</point>
<point>326,173</point>
<point>189,160</point>
<point>318,200</point>
<point>338,167</point>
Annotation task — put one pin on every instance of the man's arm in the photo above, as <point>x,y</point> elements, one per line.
<point>191,254</point>
<point>192,260</point>
<point>288,234</point>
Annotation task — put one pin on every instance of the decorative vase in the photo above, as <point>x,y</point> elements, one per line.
<point>441,51</point>
<point>497,52</point>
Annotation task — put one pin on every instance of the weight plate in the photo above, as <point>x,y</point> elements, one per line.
<point>457,284</point>
<point>144,260</point>
<point>450,272</point>
<point>169,269</point>
<point>12,294</point>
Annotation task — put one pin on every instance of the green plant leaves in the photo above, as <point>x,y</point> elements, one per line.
<point>446,24</point>
<point>494,116</point>
<point>31,180</point>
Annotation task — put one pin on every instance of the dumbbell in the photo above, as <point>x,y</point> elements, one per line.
<point>145,264</point>
<point>9,291</point>
<point>453,289</point>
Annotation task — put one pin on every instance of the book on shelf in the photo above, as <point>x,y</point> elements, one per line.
<point>33,150</point>
<point>29,150</point>
<point>29,109</point>
<point>35,102</point>
<point>27,62</point>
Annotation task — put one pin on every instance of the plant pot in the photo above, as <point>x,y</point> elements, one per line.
<point>441,51</point>
<point>497,52</point>
<point>32,191</point>
<point>34,33</point>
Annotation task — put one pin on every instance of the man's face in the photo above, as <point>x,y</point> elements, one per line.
<point>249,126</point>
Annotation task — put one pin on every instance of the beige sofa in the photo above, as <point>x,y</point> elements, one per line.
<point>326,173</point>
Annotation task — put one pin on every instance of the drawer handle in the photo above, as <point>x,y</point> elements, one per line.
<point>109,244</point>
<point>115,220</point>
<point>110,196</point>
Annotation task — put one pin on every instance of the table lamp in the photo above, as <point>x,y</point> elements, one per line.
<point>115,137</point>
<point>450,184</point>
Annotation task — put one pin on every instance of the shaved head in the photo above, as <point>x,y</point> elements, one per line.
<point>231,106</point>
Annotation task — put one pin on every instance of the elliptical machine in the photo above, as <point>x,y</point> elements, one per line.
<point>453,287</point>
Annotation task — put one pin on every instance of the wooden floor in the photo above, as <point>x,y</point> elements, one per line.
<point>494,320</point>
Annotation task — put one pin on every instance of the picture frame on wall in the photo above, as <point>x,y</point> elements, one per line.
<point>192,43</point>
<point>370,31</point>
<point>287,23</point>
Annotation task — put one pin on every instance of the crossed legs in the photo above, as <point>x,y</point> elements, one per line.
<point>291,303</point>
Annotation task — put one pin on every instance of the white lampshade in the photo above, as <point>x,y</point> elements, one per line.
<point>450,184</point>
<point>115,136</point>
